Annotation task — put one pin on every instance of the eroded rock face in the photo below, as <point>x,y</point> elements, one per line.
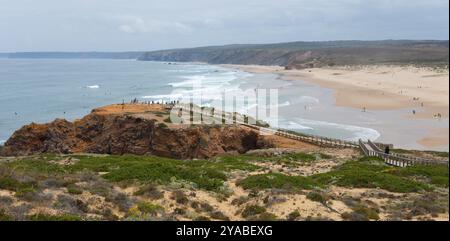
<point>122,134</point>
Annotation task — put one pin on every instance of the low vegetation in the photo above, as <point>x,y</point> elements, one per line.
<point>129,187</point>
<point>363,173</point>
<point>277,180</point>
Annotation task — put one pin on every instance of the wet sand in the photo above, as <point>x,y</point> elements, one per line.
<point>390,94</point>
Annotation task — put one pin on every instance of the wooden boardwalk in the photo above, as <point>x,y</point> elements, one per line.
<point>368,148</point>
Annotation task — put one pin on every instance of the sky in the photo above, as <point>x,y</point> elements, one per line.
<point>137,25</point>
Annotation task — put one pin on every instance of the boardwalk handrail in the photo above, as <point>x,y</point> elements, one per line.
<point>369,148</point>
<point>317,140</point>
<point>374,147</point>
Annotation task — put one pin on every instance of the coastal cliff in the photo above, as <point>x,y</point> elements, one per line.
<point>132,132</point>
<point>300,55</point>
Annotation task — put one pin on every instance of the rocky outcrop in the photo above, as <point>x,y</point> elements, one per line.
<point>121,134</point>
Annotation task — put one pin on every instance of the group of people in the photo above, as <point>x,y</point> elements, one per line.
<point>136,101</point>
<point>438,115</point>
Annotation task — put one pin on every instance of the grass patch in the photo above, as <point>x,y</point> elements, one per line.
<point>206,174</point>
<point>300,156</point>
<point>151,191</point>
<point>40,166</point>
<point>241,162</point>
<point>252,210</point>
<point>12,184</point>
<point>293,215</point>
<point>290,159</point>
<point>437,174</point>
<point>441,154</point>
<point>278,181</point>
<point>293,159</point>
<point>149,208</point>
<point>318,196</point>
<point>144,211</point>
<point>180,197</point>
<point>72,189</point>
<point>151,169</point>
<point>369,173</point>
<point>438,153</point>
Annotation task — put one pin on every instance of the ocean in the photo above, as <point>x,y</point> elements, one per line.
<point>40,90</point>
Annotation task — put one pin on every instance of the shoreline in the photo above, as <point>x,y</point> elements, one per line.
<point>394,89</point>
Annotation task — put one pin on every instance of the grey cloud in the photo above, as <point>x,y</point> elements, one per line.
<point>77,25</point>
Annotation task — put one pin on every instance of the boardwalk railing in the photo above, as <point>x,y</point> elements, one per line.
<point>317,140</point>
<point>368,148</point>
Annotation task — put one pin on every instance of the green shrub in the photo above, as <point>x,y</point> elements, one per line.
<point>369,213</point>
<point>162,125</point>
<point>149,208</point>
<point>354,216</point>
<point>318,196</point>
<point>262,124</point>
<point>73,189</point>
<point>293,215</point>
<point>368,173</point>
<point>40,167</point>
<point>179,197</point>
<point>277,180</point>
<point>252,210</point>
<point>265,216</point>
<point>151,191</point>
<point>438,153</point>
<point>9,183</point>
<point>299,156</point>
<point>438,174</point>
<point>151,169</point>
<point>218,215</point>
<point>4,216</point>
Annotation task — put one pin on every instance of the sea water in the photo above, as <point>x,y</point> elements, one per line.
<point>40,90</point>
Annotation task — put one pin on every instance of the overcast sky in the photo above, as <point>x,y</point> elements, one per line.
<point>118,25</point>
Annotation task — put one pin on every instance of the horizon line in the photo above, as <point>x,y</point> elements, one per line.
<point>212,45</point>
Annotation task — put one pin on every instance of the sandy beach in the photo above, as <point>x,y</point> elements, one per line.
<point>420,94</point>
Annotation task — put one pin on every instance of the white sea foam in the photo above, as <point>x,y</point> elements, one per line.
<point>357,132</point>
<point>169,96</point>
<point>308,100</point>
<point>2,142</point>
<point>295,126</point>
<point>93,86</point>
<point>284,104</point>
